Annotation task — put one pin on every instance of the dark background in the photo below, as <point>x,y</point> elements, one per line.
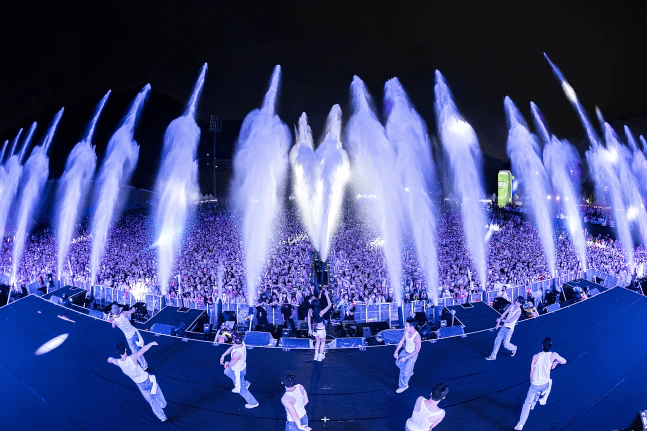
<point>64,54</point>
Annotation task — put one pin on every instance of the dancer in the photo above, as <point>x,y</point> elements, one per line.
<point>294,400</point>
<point>408,356</point>
<point>146,383</point>
<point>507,322</point>
<point>540,381</point>
<point>316,313</point>
<point>426,414</point>
<point>135,341</point>
<point>237,368</point>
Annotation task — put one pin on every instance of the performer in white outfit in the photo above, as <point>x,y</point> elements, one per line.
<point>540,382</point>
<point>135,341</point>
<point>294,400</point>
<point>237,368</point>
<point>407,357</point>
<point>507,322</point>
<point>147,383</point>
<point>426,414</point>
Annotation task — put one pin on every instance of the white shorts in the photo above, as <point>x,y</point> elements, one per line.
<point>320,332</point>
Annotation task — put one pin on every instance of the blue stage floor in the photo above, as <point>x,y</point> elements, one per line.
<point>73,387</point>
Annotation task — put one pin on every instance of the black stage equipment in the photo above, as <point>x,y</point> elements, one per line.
<point>450,331</point>
<point>639,423</point>
<point>500,304</point>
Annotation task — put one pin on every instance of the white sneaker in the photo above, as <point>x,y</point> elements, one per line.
<point>518,427</point>
<point>251,406</point>
<point>236,390</point>
<point>490,358</point>
<point>400,390</point>
<point>247,385</point>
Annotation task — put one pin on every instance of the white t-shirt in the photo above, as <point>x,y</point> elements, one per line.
<point>240,364</point>
<point>410,345</point>
<point>512,314</point>
<point>124,324</point>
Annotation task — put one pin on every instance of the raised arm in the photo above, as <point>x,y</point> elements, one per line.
<point>128,312</point>
<point>556,359</point>
<point>325,310</point>
<point>143,350</point>
<point>310,321</point>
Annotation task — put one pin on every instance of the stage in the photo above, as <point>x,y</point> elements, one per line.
<point>73,387</point>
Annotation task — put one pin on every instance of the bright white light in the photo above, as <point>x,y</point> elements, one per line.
<point>632,213</point>
<point>51,345</point>
<point>548,197</point>
<point>557,198</point>
<point>459,127</point>
<point>570,93</point>
<point>406,189</point>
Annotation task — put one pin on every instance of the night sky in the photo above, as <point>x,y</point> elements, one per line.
<point>53,55</point>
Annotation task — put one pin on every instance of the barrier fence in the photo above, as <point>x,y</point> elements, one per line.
<point>387,312</point>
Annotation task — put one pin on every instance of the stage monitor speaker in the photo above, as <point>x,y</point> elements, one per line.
<point>295,343</point>
<point>421,318</point>
<point>443,323</point>
<point>450,331</point>
<point>349,342</point>
<point>161,328</point>
<point>260,339</point>
<point>366,332</point>
<point>594,291</point>
<point>552,307</point>
<point>500,304</point>
<point>390,336</point>
<point>639,423</point>
<point>55,299</point>
<point>285,332</point>
<point>207,329</point>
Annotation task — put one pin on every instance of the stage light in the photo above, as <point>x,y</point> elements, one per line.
<point>51,345</point>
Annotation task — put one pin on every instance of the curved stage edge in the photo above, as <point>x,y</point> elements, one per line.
<point>73,387</point>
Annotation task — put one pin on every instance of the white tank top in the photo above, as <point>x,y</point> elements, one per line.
<point>124,324</point>
<point>541,376</point>
<point>298,403</point>
<point>511,324</point>
<point>240,364</point>
<point>410,346</point>
<point>419,421</point>
<point>132,370</point>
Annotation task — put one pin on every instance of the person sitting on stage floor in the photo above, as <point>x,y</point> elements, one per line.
<point>506,322</point>
<point>408,356</point>
<point>426,414</point>
<point>540,381</point>
<point>146,383</point>
<point>135,341</point>
<point>316,314</point>
<point>237,368</point>
<point>294,400</point>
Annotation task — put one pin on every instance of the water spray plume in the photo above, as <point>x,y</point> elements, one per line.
<point>197,89</point>
<point>117,168</point>
<point>73,187</point>
<point>540,124</point>
<point>260,169</point>
<point>559,157</point>
<point>462,147</point>
<point>33,180</point>
<point>176,185</point>
<point>570,95</point>
<point>4,149</point>
<point>25,144</point>
<point>269,102</point>
<point>416,172</point>
<point>598,114</point>
<point>15,142</point>
<point>523,150</point>
<point>373,159</point>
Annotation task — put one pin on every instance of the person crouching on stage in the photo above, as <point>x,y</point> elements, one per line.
<point>426,414</point>
<point>146,382</point>
<point>294,400</point>
<point>237,368</point>
<point>315,313</point>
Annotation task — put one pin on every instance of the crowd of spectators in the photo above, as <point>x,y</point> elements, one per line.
<point>211,262</point>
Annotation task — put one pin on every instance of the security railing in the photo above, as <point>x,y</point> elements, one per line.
<point>364,313</point>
